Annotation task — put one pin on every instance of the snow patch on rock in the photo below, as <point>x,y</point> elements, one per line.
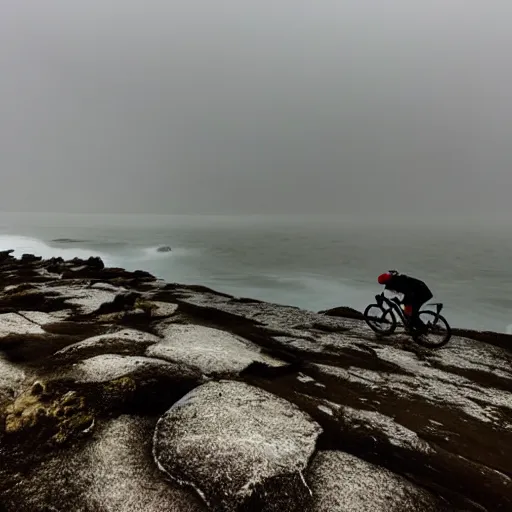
<point>211,350</point>
<point>12,323</point>
<point>108,367</point>
<point>342,482</point>
<point>128,337</point>
<point>228,439</point>
<point>396,433</point>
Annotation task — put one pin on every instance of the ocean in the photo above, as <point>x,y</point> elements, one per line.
<point>314,262</point>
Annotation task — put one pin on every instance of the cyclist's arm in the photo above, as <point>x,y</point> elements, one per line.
<point>390,294</point>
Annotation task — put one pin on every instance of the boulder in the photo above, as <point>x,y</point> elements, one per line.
<point>130,383</point>
<point>143,275</point>
<point>6,255</point>
<point>240,447</point>
<point>125,341</point>
<point>343,312</point>
<point>30,258</point>
<point>341,482</point>
<point>95,262</point>
<point>76,262</point>
<point>113,472</point>
<point>55,265</point>
<point>56,260</point>
<point>13,323</point>
<point>109,367</point>
<point>32,299</point>
<point>121,302</point>
<point>212,351</point>
<point>89,300</point>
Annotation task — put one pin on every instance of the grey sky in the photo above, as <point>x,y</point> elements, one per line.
<point>352,106</point>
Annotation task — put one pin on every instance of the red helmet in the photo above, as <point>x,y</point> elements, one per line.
<point>384,278</point>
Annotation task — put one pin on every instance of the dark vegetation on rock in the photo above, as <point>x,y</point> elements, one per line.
<point>121,392</point>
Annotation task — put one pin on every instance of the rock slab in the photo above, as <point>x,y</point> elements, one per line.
<point>114,472</point>
<point>212,351</point>
<point>240,447</point>
<point>342,482</point>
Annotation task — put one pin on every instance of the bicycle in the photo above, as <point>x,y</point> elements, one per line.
<point>383,321</point>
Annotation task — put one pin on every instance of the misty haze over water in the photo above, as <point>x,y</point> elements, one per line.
<point>380,135</point>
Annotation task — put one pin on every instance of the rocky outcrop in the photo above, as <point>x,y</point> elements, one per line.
<point>6,255</point>
<point>121,392</point>
<point>29,258</point>
<point>344,312</point>
<point>494,338</point>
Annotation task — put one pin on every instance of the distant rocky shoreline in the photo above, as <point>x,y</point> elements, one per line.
<point>121,392</point>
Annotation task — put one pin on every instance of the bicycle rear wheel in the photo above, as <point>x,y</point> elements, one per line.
<point>438,331</point>
<point>381,321</point>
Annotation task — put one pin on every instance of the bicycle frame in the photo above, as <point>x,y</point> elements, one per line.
<point>394,305</point>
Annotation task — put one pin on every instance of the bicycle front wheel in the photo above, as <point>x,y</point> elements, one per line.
<point>381,321</point>
<point>438,331</point>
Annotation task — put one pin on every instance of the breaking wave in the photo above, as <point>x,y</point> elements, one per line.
<point>115,254</point>
<point>22,245</point>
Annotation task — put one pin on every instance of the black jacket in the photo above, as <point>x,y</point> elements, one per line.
<point>411,287</point>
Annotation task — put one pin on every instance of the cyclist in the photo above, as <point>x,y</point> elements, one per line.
<point>415,294</point>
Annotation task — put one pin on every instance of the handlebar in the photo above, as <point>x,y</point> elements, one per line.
<point>392,299</point>
<point>381,297</point>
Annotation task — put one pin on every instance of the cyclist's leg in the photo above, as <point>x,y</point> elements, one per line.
<point>415,317</point>
<point>417,305</point>
<point>412,307</point>
<point>408,303</point>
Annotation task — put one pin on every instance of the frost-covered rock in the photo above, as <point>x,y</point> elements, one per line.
<point>109,367</point>
<point>211,350</point>
<point>238,446</point>
<point>125,341</point>
<point>124,478</point>
<point>114,382</point>
<point>393,432</point>
<point>114,472</point>
<point>13,323</point>
<point>341,482</point>
<point>90,300</point>
<point>11,377</point>
<point>163,309</point>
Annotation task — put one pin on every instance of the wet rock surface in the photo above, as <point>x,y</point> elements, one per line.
<point>112,470</point>
<point>344,482</point>
<point>213,351</point>
<point>110,399</point>
<point>256,444</point>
